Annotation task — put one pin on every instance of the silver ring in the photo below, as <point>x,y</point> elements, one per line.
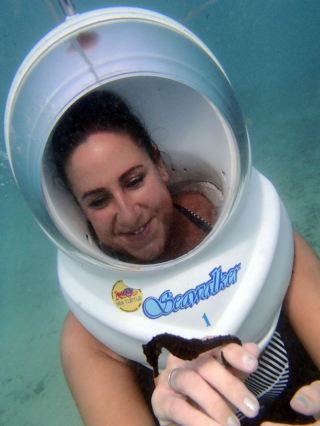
<point>170,377</point>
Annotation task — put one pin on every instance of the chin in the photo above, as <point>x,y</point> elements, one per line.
<point>151,255</point>
<point>148,258</point>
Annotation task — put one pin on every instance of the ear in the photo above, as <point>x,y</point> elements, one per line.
<point>163,170</point>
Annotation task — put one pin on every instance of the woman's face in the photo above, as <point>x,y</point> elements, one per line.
<point>123,193</point>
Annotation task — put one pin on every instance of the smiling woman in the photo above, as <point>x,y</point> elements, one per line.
<point>118,178</point>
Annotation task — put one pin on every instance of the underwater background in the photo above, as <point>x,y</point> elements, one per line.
<point>271,53</point>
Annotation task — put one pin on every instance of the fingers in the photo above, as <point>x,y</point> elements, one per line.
<point>179,412</point>
<point>173,409</point>
<point>307,400</point>
<point>189,382</point>
<point>205,392</point>
<point>243,358</point>
<point>226,384</point>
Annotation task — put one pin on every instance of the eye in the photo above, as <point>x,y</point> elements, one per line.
<point>99,202</point>
<point>135,181</point>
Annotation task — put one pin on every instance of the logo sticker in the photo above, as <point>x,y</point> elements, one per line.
<point>126,298</point>
<point>167,302</point>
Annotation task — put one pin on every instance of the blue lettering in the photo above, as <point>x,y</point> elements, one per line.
<point>189,299</point>
<point>177,301</point>
<point>155,308</point>
<point>167,303</point>
<point>202,291</point>
<point>233,274</point>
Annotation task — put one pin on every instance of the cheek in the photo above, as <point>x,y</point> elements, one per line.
<point>100,220</point>
<point>158,202</point>
<point>158,190</point>
<point>162,203</point>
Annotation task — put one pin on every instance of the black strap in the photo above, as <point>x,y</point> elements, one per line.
<point>194,218</point>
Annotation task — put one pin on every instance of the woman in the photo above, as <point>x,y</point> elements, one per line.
<point>141,221</point>
<point>117,176</point>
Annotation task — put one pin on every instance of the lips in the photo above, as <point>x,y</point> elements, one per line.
<point>145,243</point>
<point>139,235</point>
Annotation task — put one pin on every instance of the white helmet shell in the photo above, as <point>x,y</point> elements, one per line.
<point>233,282</point>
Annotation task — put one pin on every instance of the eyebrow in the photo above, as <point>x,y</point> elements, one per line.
<point>93,192</point>
<point>102,190</point>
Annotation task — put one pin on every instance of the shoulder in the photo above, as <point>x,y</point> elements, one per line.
<point>302,301</point>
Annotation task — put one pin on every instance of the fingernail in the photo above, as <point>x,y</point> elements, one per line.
<point>252,405</point>
<point>171,378</point>
<point>301,400</point>
<point>250,361</point>
<point>233,421</point>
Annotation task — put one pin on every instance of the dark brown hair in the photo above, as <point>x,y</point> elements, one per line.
<point>98,111</point>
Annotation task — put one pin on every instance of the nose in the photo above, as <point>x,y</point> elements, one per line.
<point>128,212</point>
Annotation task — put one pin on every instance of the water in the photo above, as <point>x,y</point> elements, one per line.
<point>271,52</point>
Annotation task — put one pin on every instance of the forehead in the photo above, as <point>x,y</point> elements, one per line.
<point>109,142</point>
<point>104,156</point>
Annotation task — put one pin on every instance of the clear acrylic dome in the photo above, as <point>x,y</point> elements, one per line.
<point>170,79</point>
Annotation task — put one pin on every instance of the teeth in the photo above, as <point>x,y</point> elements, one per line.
<point>138,231</point>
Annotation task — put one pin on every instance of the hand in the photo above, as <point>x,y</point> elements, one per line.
<point>201,392</point>
<point>305,401</point>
